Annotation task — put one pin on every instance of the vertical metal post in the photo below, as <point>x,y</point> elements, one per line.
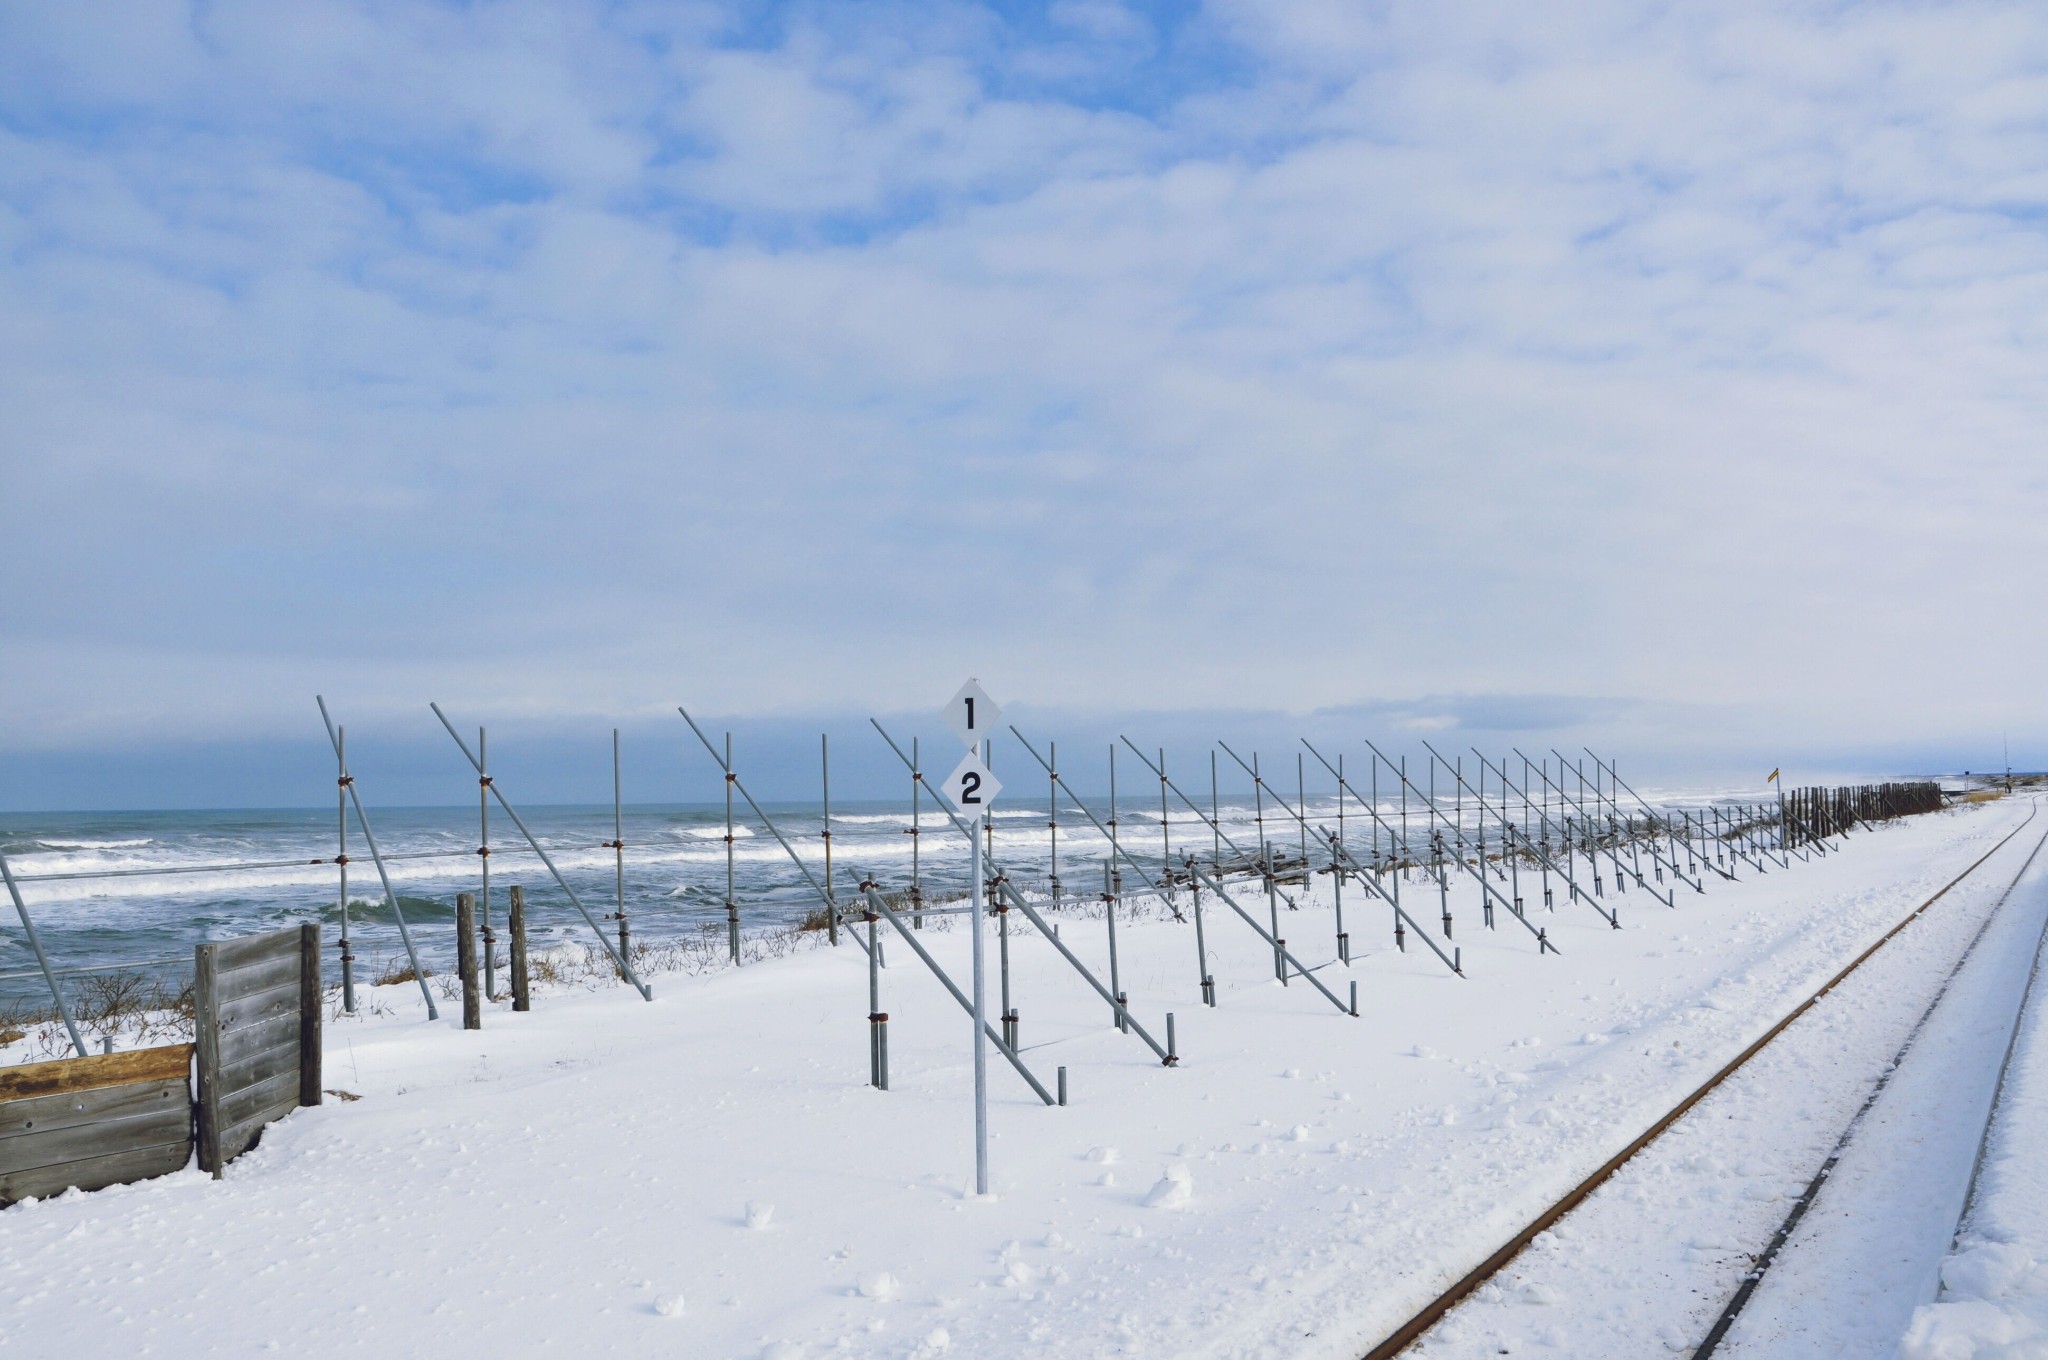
<point>1116,1014</point>
<point>483,855</point>
<point>1337,870</point>
<point>1112,867</point>
<point>980,1022</point>
<point>1405,856</point>
<point>1172,1048</point>
<point>1590,834</point>
<point>1201,939</point>
<point>1380,863</point>
<point>916,841</point>
<point>618,855</point>
<point>1010,1017</point>
<point>1301,805</point>
<point>1508,849</point>
<point>355,799</point>
<point>831,898</point>
<point>1215,821</point>
<point>1259,821</point>
<point>732,906</point>
<point>1052,817</point>
<point>878,1021</point>
<point>348,958</point>
<point>1272,901</point>
<point>1165,835</point>
<point>1063,1085</point>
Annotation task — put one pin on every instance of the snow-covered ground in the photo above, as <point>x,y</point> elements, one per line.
<point>710,1175</point>
<point>1993,1291</point>
<point>1650,1260</point>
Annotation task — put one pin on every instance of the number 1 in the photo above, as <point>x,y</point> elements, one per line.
<point>970,712</point>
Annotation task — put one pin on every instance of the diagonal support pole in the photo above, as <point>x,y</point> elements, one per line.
<point>1542,939</point>
<point>419,973</point>
<point>917,946</point>
<point>625,968</point>
<point>732,778</point>
<point>1278,948</point>
<point>1043,927</point>
<point>42,960</point>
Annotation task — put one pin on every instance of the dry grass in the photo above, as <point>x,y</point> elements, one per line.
<point>132,1008</point>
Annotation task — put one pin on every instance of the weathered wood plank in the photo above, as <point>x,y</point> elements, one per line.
<point>260,976</point>
<point>311,1001</point>
<point>206,1033</point>
<point>244,1135</point>
<point>86,1074</point>
<point>256,1068</point>
<point>95,1173</point>
<point>41,1114</point>
<point>239,1012</point>
<point>465,960</point>
<point>279,1093</point>
<point>102,1138</point>
<point>246,950</point>
<point>247,1040</point>
<point>522,995</point>
<point>239,1138</point>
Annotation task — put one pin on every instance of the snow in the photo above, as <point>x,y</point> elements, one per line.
<point>1992,1298</point>
<point>1299,1185</point>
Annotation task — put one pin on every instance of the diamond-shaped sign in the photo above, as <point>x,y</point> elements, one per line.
<point>972,786</point>
<point>972,714</point>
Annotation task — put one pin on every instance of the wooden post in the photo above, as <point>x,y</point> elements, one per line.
<point>522,996</point>
<point>311,1002</point>
<point>465,960</point>
<point>206,1040</point>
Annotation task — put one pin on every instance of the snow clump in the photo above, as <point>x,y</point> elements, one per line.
<point>759,1214</point>
<point>1991,1271</point>
<point>669,1305</point>
<point>881,1286</point>
<point>1970,1328</point>
<point>1175,1188</point>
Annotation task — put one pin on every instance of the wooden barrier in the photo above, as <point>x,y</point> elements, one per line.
<point>94,1122</point>
<point>257,1023</point>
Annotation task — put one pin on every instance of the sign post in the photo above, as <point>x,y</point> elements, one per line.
<point>971,788</point>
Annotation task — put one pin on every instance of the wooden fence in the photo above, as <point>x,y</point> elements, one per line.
<point>256,1017</point>
<point>100,1121</point>
<point>1812,813</point>
<point>93,1122</point>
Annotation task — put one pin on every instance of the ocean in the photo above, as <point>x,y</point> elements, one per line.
<point>141,888</point>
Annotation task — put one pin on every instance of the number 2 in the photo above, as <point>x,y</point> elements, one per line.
<point>970,783</point>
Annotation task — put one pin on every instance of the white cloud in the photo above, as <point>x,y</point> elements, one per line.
<point>1338,353</point>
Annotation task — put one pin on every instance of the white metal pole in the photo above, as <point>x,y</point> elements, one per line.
<point>980,1018</point>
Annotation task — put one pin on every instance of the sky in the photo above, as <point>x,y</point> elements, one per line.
<point>1663,377</point>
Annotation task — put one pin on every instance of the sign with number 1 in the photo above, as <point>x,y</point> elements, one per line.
<point>972,714</point>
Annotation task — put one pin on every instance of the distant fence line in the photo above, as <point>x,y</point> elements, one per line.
<point>1813,814</point>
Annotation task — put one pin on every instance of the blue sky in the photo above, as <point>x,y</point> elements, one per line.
<point>1668,377</point>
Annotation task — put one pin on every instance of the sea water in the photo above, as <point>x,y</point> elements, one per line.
<point>174,882</point>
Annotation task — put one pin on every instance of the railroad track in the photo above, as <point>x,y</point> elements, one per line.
<point>1410,1331</point>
